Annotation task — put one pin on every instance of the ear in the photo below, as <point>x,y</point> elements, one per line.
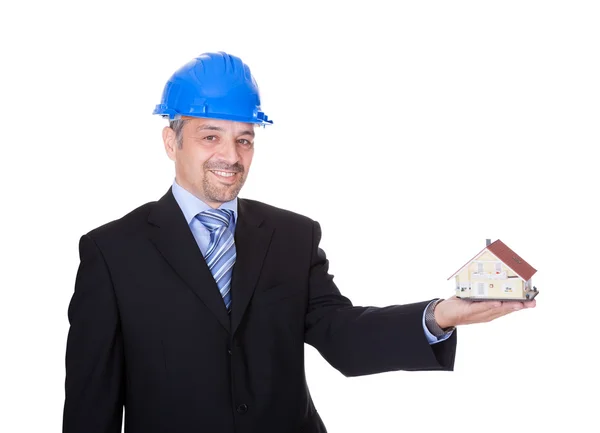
<point>170,141</point>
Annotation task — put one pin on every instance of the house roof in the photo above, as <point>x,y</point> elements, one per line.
<point>508,257</point>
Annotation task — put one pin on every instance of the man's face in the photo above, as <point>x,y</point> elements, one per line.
<point>214,159</point>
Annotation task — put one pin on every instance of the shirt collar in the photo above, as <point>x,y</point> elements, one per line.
<point>191,205</point>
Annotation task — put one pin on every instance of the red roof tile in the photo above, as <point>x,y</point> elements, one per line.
<point>512,260</point>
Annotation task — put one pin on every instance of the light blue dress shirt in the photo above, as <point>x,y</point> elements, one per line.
<point>191,206</point>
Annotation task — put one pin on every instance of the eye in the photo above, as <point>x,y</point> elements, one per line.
<point>245,142</point>
<point>211,138</point>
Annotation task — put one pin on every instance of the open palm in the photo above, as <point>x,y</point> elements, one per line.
<point>455,311</point>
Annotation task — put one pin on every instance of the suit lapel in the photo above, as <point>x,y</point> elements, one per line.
<point>174,240</point>
<point>252,239</point>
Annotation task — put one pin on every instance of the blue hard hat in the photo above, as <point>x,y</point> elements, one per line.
<point>213,85</point>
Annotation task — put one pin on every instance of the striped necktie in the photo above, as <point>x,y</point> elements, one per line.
<point>220,254</point>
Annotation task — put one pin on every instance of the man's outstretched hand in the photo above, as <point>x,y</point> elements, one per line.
<point>454,311</point>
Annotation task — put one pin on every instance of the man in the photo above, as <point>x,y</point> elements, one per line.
<point>192,311</point>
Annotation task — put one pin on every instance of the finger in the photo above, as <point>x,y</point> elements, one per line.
<point>505,309</point>
<point>487,317</point>
<point>479,307</point>
<point>502,313</point>
<point>492,313</point>
<point>516,306</point>
<point>480,311</point>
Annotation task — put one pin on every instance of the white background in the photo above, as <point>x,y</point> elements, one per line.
<point>449,122</point>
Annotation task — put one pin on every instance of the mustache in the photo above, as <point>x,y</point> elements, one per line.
<point>237,167</point>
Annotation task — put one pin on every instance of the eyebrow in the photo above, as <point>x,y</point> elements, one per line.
<point>216,128</point>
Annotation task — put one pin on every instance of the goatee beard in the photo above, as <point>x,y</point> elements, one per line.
<point>222,193</point>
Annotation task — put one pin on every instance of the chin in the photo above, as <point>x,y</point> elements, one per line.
<point>222,198</point>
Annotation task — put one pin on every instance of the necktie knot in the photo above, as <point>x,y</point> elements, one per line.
<point>215,218</point>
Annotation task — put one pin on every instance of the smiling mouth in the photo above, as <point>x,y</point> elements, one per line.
<point>223,173</point>
<point>226,177</point>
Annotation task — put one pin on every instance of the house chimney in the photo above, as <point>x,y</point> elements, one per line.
<point>488,242</point>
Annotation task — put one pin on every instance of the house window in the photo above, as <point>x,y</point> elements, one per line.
<point>498,267</point>
<point>480,268</point>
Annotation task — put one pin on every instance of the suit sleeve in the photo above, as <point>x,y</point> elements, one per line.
<point>366,340</point>
<point>94,384</point>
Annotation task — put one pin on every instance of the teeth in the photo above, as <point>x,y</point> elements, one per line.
<point>223,173</point>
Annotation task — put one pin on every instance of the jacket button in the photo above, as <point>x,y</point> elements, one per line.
<point>242,408</point>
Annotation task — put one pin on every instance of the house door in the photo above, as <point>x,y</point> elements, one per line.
<point>481,289</point>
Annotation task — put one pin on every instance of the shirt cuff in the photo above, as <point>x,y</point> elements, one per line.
<point>432,339</point>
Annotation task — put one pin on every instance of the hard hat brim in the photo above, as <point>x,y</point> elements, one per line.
<point>260,119</point>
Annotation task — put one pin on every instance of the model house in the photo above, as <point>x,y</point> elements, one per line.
<point>495,273</point>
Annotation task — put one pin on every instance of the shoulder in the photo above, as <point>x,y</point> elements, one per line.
<point>125,226</point>
<point>274,214</point>
<point>290,228</point>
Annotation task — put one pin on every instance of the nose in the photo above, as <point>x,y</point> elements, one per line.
<point>229,151</point>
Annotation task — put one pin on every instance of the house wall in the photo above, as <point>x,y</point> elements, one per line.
<point>495,288</point>
<point>488,267</point>
<point>463,284</point>
<point>464,275</point>
<point>508,288</point>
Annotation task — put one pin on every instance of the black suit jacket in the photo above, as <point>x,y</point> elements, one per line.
<point>149,330</point>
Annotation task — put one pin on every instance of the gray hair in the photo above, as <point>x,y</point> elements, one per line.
<point>177,126</point>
